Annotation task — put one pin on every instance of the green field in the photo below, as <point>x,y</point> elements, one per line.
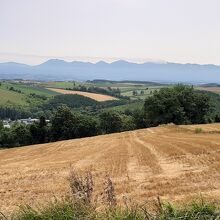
<point>28,88</point>
<point>60,85</point>
<point>130,106</point>
<point>18,93</point>
<point>9,97</point>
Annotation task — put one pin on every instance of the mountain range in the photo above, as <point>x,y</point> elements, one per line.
<point>56,69</point>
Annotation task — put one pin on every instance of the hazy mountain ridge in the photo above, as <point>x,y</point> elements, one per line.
<point>56,69</point>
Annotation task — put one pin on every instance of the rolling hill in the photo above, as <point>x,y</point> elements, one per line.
<point>20,93</point>
<point>55,69</point>
<point>174,162</point>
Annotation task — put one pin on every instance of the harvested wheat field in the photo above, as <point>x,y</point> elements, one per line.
<point>95,96</point>
<point>210,89</point>
<point>174,162</point>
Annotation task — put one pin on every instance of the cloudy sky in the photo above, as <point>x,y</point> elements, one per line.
<point>185,31</point>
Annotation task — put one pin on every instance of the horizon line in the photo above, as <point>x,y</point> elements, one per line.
<point>111,62</point>
<point>93,60</point>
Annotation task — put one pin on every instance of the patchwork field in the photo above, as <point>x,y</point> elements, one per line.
<point>174,162</point>
<point>97,97</point>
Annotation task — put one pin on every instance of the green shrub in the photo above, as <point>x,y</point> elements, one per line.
<point>198,130</point>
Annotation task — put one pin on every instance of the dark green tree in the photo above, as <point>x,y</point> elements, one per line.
<point>217,118</point>
<point>128,122</point>
<point>40,131</point>
<point>1,125</point>
<point>134,93</point>
<point>111,121</point>
<point>86,126</point>
<point>63,124</point>
<point>21,134</point>
<point>7,138</point>
<point>140,119</point>
<point>180,105</point>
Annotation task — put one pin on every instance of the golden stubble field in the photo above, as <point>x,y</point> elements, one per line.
<point>95,96</point>
<point>173,162</point>
<point>210,89</point>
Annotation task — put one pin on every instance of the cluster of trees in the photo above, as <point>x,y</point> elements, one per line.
<point>36,96</point>
<point>70,100</point>
<point>13,112</point>
<point>136,93</point>
<point>179,104</point>
<point>64,124</point>
<point>14,90</point>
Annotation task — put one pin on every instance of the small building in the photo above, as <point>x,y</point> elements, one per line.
<point>7,126</point>
<point>6,123</point>
<point>28,121</point>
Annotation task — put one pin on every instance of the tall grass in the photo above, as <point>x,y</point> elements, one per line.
<point>82,204</point>
<point>69,210</point>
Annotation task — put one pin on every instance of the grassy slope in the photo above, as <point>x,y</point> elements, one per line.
<point>8,96</point>
<point>28,89</point>
<point>59,85</point>
<point>11,97</point>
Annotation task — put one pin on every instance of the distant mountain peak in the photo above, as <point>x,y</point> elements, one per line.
<point>101,62</point>
<point>14,64</point>
<point>54,62</point>
<point>120,62</point>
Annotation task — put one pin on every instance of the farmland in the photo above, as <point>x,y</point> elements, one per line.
<point>175,162</point>
<point>97,97</point>
<point>18,93</point>
<point>134,90</point>
<point>210,89</point>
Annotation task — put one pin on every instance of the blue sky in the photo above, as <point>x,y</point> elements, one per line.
<point>184,31</point>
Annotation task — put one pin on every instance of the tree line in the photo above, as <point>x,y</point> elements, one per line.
<point>179,104</point>
<point>65,124</point>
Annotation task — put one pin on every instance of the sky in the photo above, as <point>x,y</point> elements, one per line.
<point>181,31</point>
